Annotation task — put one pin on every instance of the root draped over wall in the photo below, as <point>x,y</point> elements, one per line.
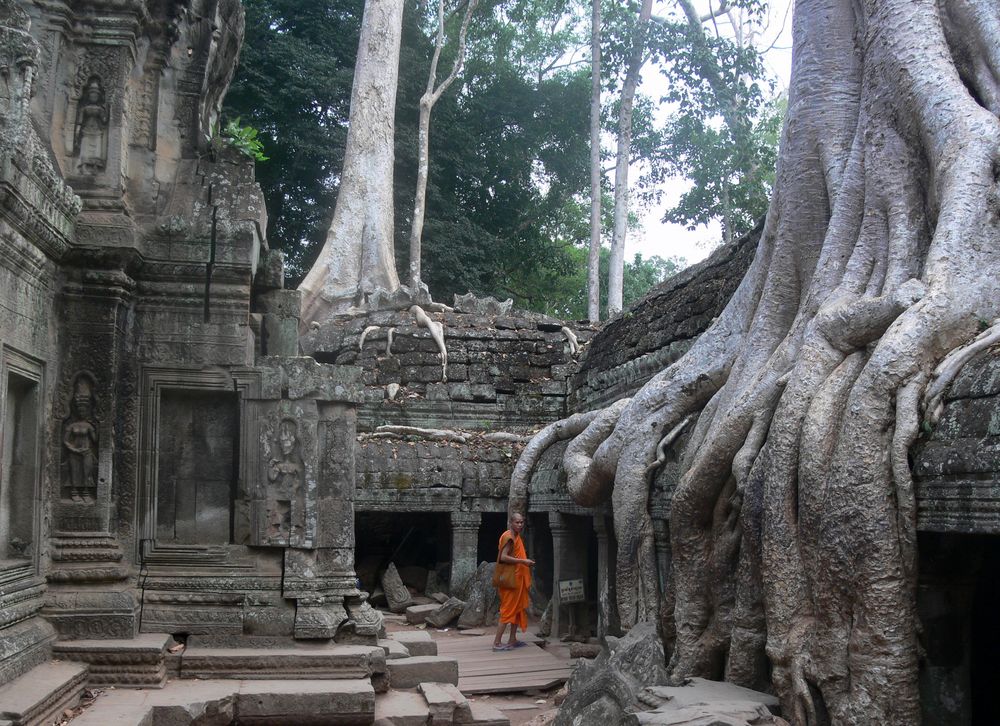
<point>793,525</point>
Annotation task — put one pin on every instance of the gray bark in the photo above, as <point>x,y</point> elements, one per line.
<point>357,257</point>
<point>793,524</point>
<point>616,269</point>
<point>594,256</point>
<point>427,101</point>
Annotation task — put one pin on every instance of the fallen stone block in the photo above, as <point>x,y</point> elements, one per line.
<point>416,641</point>
<point>396,593</point>
<point>445,614</point>
<point>447,705</point>
<point>409,672</point>
<point>416,614</point>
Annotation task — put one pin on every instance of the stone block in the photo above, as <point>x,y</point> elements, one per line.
<point>409,672</point>
<point>400,708</point>
<point>271,270</point>
<point>445,614</point>
<point>41,694</point>
<point>417,614</point>
<point>416,641</point>
<point>477,392</point>
<point>484,714</point>
<point>396,594</point>
<point>135,663</point>
<point>447,705</point>
<point>280,335</point>
<point>284,303</point>
<point>393,649</point>
<point>328,702</point>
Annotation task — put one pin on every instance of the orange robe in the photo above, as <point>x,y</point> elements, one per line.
<point>514,603</point>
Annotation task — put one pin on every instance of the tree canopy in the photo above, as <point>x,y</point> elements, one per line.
<point>508,176</point>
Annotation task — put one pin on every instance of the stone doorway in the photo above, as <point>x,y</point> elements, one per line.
<point>418,543</point>
<point>19,472</point>
<point>985,663</point>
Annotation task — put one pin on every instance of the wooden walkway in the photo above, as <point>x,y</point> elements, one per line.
<point>480,670</point>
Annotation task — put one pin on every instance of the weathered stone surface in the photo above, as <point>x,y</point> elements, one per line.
<point>445,614</point>
<point>482,605</point>
<point>608,687</point>
<point>416,614</point>
<point>446,704</point>
<point>706,702</point>
<point>409,672</point>
<point>42,694</point>
<point>417,642</point>
<point>584,650</point>
<point>401,708</point>
<point>396,594</point>
<point>631,348</point>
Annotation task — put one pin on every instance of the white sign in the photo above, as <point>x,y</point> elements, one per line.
<point>570,591</point>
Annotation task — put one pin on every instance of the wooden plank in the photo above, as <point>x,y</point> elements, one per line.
<point>482,670</point>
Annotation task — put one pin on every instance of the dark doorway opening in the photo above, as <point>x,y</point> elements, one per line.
<point>418,543</point>
<point>985,665</point>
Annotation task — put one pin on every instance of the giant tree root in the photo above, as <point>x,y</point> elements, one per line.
<point>793,523</point>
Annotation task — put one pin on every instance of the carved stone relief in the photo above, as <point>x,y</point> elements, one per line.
<point>80,445</point>
<point>90,137</point>
<point>286,480</point>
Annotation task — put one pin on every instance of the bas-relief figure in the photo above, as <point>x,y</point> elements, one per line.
<point>80,443</point>
<point>285,475</point>
<point>90,138</point>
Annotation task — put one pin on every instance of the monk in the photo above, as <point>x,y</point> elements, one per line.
<point>514,603</point>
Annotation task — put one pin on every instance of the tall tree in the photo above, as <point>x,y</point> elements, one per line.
<point>594,256</point>
<point>623,158</point>
<point>427,101</point>
<point>358,256</point>
<point>793,524</point>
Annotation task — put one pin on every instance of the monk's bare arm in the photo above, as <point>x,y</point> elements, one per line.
<point>508,559</point>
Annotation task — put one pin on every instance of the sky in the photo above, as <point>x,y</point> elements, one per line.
<point>668,239</point>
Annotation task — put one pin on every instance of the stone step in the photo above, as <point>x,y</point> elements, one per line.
<point>483,714</point>
<point>446,704</point>
<point>138,662</point>
<point>42,694</point>
<point>330,702</point>
<point>410,672</point>
<point>393,649</point>
<point>417,642</point>
<point>408,708</point>
<point>328,661</point>
<point>401,708</point>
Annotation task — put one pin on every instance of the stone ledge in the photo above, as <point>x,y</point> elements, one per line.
<point>410,672</point>
<point>41,694</point>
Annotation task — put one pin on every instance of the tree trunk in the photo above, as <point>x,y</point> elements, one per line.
<point>594,256</point>
<point>357,257</point>
<point>792,525</point>
<point>616,272</point>
<point>427,101</point>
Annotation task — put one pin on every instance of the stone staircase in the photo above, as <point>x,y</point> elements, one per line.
<point>42,694</point>
<point>399,682</point>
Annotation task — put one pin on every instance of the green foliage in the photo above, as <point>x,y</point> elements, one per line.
<point>507,211</point>
<point>244,139</point>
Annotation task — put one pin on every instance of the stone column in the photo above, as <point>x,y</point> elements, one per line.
<point>603,603</point>
<point>560,538</point>
<point>464,548</point>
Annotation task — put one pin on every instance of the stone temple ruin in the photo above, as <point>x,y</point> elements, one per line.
<point>179,462</point>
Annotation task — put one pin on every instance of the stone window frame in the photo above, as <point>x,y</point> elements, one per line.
<point>31,369</point>
<point>154,380</point>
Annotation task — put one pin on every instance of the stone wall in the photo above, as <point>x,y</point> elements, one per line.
<point>660,328</point>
